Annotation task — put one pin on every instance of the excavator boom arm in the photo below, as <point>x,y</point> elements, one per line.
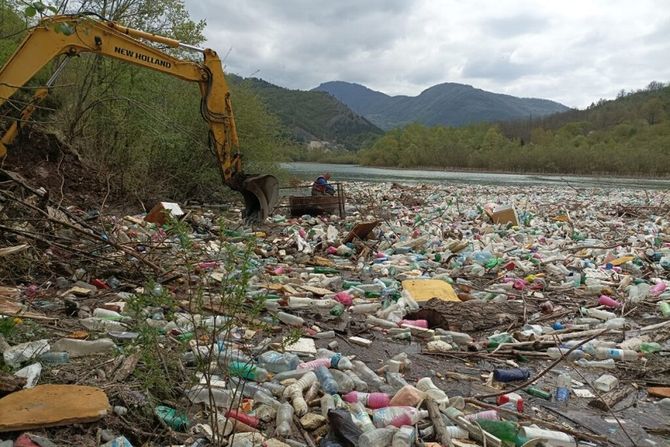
<point>87,35</point>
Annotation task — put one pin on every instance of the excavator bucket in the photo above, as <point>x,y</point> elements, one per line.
<point>261,194</point>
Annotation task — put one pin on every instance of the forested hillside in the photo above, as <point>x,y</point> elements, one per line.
<point>629,135</point>
<point>310,115</point>
<point>448,104</point>
<point>138,130</point>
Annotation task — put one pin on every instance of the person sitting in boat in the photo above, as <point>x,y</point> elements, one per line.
<point>321,187</point>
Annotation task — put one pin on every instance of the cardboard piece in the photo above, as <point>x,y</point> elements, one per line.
<point>424,289</point>
<point>159,213</point>
<point>505,215</point>
<point>51,406</point>
<point>361,231</point>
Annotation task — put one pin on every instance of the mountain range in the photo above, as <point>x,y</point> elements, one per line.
<point>449,104</point>
<point>351,115</point>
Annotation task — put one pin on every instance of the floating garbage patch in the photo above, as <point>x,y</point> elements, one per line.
<point>429,315</point>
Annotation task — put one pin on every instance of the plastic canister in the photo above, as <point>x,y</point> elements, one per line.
<point>510,374</point>
<point>551,437</point>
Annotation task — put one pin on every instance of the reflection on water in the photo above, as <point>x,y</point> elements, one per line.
<point>309,171</point>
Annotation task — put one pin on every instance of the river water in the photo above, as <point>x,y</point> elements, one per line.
<point>339,172</point>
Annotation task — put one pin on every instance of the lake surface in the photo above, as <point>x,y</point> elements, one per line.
<point>309,171</point>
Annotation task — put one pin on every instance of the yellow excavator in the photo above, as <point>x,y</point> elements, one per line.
<point>71,35</point>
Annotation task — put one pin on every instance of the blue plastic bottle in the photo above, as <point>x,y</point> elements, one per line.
<point>326,380</point>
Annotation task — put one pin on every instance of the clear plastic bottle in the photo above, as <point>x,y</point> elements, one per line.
<point>277,362</point>
<point>344,382</point>
<point>404,437</point>
<point>598,313</point>
<point>555,353</point>
<point>367,375</point>
<point>367,308</point>
<point>359,385</point>
<point>616,354</point>
<point>379,437</point>
<point>54,358</point>
<point>563,387</point>
<point>327,403</point>
<point>221,397</point>
<point>361,417</point>
<point>291,320</point>
<point>604,364</point>
<point>81,348</point>
<point>326,379</point>
<point>397,416</point>
<point>395,381</point>
<point>284,417</point>
<point>426,385</point>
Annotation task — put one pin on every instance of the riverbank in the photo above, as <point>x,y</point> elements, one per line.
<point>342,172</point>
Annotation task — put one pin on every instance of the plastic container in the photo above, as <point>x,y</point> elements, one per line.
<point>283,421</point>
<point>367,375</point>
<point>54,358</point>
<point>248,371</point>
<point>277,362</point>
<point>555,353</point>
<point>511,374</point>
<point>220,397</point>
<point>370,400</point>
<point>81,348</point>
<point>408,395</point>
<point>326,380</point>
<point>503,430</point>
<point>598,313</point>
<point>607,301</point>
<point>360,417</point>
<point>563,387</point>
<point>313,364</point>
<point>397,416</point>
<point>606,383</point>
<point>551,438</point>
<point>603,364</point>
<point>616,354</point>
<point>404,437</point>
<point>426,385</point>
<point>379,437</point>
<point>291,320</point>
<point>514,398</point>
<point>243,417</point>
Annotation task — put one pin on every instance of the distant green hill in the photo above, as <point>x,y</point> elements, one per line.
<point>310,115</point>
<point>447,104</point>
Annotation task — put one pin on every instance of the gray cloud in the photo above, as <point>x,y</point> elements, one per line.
<point>572,51</point>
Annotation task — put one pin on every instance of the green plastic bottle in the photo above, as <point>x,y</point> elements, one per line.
<point>650,347</point>
<point>337,310</point>
<point>538,393</point>
<point>347,284</point>
<point>503,430</point>
<point>498,339</point>
<point>248,371</point>
<point>326,270</point>
<point>171,417</point>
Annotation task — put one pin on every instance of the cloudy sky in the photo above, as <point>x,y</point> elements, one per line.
<point>574,52</point>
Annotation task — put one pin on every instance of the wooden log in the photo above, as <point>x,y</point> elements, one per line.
<point>441,433</point>
<point>610,399</point>
<point>10,383</point>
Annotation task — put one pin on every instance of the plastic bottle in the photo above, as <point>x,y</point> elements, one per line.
<point>616,354</point>
<point>54,358</point>
<point>503,430</point>
<point>243,417</point>
<point>650,347</point>
<point>80,348</point>
<point>220,397</point>
<point>379,437</point>
<point>100,324</point>
<point>657,288</point>
<point>537,392</point>
<point>563,387</point>
<point>373,321</point>
<point>397,416</point>
<point>555,353</point>
<point>359,385</point>
<point>604,364</point>
<point>344,382</point>
<point>404,437</point>
<point>426,385</point>
<point>367,308</point>
<point>664,308</point>
<point>313,364</point>
<point>608,301</point>
<point>615,323</point>
<point>291,320</point>
<point>459,338</point>
<point>361,417</point>
<point>367,375</point>
<point>514,398</point>
<point>491,415</point>
<point>326,380</point>
<point>248,371</point>
<point>284,418</point>
<point>277,362</point>
<point>370,400</point>
<point>550,438</point>
<point>510,374</point>
<point>598,313</point>
<point>327,403</point>
<point>266,399</point>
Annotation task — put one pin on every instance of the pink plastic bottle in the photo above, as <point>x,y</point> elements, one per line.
<point>608,301</point>
<point>315,364</point>
<point>370,400</point>
<point>658,288</point>
<point>344,298</point>
<point>491,415</point>
<point>397,416</point>
<point>416,323</point>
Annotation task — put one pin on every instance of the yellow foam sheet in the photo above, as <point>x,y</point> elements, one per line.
<point>425,289</point>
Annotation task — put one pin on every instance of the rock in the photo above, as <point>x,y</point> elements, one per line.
<point>275,443</point>
<point>52,405</point>
<point>312,421</point>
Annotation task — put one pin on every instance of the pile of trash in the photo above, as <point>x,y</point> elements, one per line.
<point>471,315</point>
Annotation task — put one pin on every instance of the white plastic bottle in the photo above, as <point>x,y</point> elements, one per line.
<point>379,437</point>
<point>404,437</point>
<point>284,417</point>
